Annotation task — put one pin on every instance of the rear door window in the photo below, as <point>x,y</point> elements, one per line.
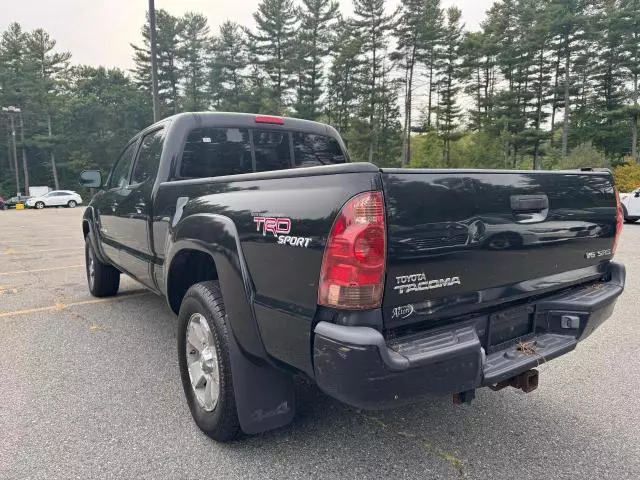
<point>311,150</point>
<point>149,155</point>
<point>213,152</point>
<point>120,175</point>
<point>273,151</point>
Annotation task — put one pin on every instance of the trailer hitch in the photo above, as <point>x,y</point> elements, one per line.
<point>526,381</point>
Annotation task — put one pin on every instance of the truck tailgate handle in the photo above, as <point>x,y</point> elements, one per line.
<point>529,203</point>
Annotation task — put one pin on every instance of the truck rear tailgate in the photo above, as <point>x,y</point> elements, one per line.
<point>462,240</point>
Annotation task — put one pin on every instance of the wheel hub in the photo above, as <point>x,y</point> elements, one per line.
<point>202,362</point>
<point>208,360</point>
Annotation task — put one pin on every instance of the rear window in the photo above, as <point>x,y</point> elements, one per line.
<point>272,150</point>
<point>312,150</point>
<point>213,152</point>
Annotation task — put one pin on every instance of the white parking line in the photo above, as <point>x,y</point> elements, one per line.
<point>25,251</point>
<point>18,272</point>
<point>64,306</point>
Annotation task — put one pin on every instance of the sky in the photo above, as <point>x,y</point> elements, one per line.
<point>99,32</point>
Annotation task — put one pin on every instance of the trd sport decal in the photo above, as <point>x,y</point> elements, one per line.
<point>280,227</point>
<point>277,226</point>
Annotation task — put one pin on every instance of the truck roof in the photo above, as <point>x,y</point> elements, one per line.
<point>252,120</point>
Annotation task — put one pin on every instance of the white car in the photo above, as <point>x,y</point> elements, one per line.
<point>631,205</point>
<point>55,198</point>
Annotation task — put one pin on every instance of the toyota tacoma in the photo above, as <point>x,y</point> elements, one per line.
<point>382,285</point>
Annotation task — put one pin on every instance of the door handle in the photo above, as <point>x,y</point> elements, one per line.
<point>529,203</point>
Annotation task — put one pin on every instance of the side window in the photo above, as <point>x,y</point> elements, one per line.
<point>272,150</point>
<point>148,157</point>
<point>120,175</point>
<point>214,152</point>
<point>313,150</point>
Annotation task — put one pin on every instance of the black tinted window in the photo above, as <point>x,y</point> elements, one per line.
<point>313,150</point>
<point>272,150</point>
<point>148,157</point>
<point>213,152</point>
<point>120,175</point>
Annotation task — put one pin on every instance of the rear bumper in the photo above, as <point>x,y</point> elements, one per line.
<point>357,366</point>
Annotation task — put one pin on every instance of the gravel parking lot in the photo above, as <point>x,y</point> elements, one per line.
<point>90,389</point>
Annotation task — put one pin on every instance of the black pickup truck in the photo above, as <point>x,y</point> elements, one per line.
<point>381,285</point>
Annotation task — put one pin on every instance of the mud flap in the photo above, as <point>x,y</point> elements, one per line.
<point>265,396</point>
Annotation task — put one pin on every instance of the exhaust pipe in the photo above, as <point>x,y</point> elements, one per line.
<point>527,382</point>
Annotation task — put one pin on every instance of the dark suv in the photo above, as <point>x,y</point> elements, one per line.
<point>13,201</point>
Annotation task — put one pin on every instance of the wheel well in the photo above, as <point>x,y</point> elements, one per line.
<point>188,268</point>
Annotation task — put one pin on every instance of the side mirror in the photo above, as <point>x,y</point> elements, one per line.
<point>91,178</point>
<point>637,194</point>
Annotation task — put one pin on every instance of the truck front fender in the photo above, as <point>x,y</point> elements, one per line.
<point>90,229</point>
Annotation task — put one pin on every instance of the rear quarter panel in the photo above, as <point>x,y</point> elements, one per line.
<point>282,279</point>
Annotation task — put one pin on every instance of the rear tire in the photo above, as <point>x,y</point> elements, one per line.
<point>72,204</point>
<point>202,318</point>
<point>103,279</point>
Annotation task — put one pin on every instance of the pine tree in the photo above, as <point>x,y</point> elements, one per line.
<point>194,49</point>
<point>273,44</point>
<point>345,75</point>
<point>568,26</point>
<point>13,46</point>
<point>372,26</point>
<point>48,71</point>
<point>432,45</point>
<point>389,141</point>
<point>448,110</point>
<point>258,99</point>
<point>168,28</point>
<point>318,19</point>
<point>630,29</point>
<point>226,79</point>
<point>479,72</point>
<point>410,33</point>
<point>536,73</point>
<point>609,78</point>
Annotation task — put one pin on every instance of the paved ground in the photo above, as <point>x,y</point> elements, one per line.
<point>90,389</point>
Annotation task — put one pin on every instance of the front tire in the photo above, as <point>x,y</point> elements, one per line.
<point>103,279</point>
<point>205,365</point>
<point>39,205</point>
<point>72,204</point>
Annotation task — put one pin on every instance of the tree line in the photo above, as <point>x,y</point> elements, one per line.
<point>541,84</point>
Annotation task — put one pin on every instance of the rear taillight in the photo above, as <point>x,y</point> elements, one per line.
<point>352,274</point>
<point>619,221</point>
